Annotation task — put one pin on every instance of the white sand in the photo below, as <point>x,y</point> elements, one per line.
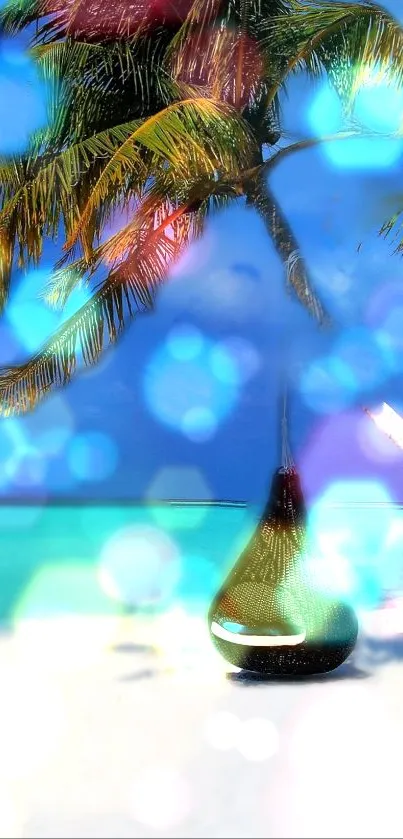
<point>102,737</point>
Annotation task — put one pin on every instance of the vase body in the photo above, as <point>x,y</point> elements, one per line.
<point>269,616</point>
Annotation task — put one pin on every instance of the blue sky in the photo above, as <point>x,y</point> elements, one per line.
<point>187,404</point>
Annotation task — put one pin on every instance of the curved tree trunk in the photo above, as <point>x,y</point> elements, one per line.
<point>259,195</point>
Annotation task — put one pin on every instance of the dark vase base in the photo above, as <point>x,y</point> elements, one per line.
<point>306,660</point>
<point>309,658</point>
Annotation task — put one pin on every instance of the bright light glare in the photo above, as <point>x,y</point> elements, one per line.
<point>67,643</point>
<point>11,820</point>
<point>348,729</point>
<point>160,798</point>
<point>140,566</point>
<point>222,730</point>
<point>388,421</point>
<point>32,723</point>
<point>184,645</point>
<point>257,739</point>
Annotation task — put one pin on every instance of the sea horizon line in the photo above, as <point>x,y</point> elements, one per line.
<point>71,501</point>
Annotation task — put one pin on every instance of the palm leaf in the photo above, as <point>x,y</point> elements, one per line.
<point>98,84</point>
<point>6,264</point>
<point>193,137</point>
<point>200,197</point>
<point>16,15</point>
<point>336,37</point>
<point>37,191</point>
<point>201,15</point>
<point>395,224</point>
<point>128,291</point>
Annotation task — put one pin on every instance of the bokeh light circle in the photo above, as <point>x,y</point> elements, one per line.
<point>348,540</point>
<point>33,322</point>
<point>357,363</point>
<point>51,425</point>
<point>22,463</point>
<point>199,424</point>
<point>224,366</point>
<point>181,386</point>
<point>327,385</point>
<point>140,567</point>
<point>161,798</point>
<point>325,116</point>
<point>221,730</point>
<point>386,297</point>
<point>331,573</point>
<point>378,104</point>
<point>199,582</point>
<point>92,456</point>
<point>235,360</point>
<point>257,739</point>
<point>390,336</point>
<point>364,361</point>
<point>185,342</point>
<point>19,82</point>
<point>27,469</point>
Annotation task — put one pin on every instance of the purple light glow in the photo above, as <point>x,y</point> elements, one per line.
<point>335,453</point>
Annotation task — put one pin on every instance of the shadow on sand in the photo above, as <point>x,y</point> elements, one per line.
<point>383,650</point>
<point>132,649</point>
<point>345,671</point>
<point>139,675</point>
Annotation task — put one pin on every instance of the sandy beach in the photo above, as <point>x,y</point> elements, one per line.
<point>112,727</point>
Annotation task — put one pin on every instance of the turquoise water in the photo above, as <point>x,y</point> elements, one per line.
<point>51,556</point>
<point>103,559</point>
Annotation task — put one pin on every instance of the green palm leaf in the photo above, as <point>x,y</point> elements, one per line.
<point>128,291</point>
<point>78,183</point>
<point>193,137</point>
<point>37,191</point>
<point>336,37</point>
<point>98,84</point>
<point>199,197</point>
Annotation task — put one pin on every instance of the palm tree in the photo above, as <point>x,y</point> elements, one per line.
<point>167,110</point>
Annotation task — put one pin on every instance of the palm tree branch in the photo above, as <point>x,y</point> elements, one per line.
<point>170,135</point>
<point>365,34</point>
<point>260,197</point>
<point>128,291</point>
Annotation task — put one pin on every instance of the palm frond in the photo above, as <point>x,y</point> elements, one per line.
<point>202,14</point>
<point>336,37</point>
<point>128,291</point>
<point>194,137</point>
<point>38,192</point>
<point>395,225</point>
<point>99,85</point>
<point>6,264</point>
<point>15,15</point>
<point>261,198</point>
<point>196,199</point>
